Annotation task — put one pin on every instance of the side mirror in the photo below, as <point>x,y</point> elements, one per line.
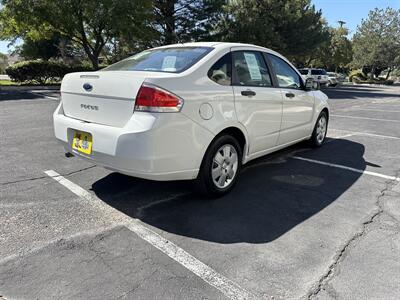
<point>310,84</point>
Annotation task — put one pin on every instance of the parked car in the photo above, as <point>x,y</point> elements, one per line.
<point>319,75</point>
<point>189,111</point>
<point>341,77</point>
<point>333,79</point>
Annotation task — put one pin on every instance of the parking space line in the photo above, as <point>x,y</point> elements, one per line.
<point>368,134</point>
<point>365,118</point>
<point>44,96</point>
<point>206,273</point>
<point>334,138</point>
<point>380,110</point>
<point>347,168</point>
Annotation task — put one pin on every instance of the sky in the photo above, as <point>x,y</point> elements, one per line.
<point>350,11</point>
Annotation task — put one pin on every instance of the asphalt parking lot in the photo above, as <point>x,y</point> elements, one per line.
<point>302,223</point>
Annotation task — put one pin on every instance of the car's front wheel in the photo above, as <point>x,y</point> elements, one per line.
<point>220,167</point>
<point>320,130</point>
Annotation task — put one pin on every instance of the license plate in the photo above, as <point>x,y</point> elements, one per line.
<point>82,142</point>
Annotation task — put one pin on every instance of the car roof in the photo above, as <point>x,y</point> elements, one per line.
<point>224,46</point>
<point>219,45</point>
<point>227,46</point>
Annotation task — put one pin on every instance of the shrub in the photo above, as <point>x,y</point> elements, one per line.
<point>357,75</point>
<point>42,72</point>
<point>373,81</point>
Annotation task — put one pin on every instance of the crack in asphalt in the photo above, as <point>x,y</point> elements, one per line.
<point>320,285</point>
<point>44,177</point>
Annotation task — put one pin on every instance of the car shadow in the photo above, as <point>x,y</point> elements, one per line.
<point>18,95</point>
<point>274,195</point>
<point>356,92</point>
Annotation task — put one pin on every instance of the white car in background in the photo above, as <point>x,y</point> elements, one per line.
<point>189,111</point>
<point>333,79</point>
<point>319,75</point>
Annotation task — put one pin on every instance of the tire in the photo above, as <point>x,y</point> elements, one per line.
<point>220,168</point>
<point>320,130</point>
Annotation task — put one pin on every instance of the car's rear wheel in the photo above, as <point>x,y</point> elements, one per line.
<point>320,130</point>
<point>220,167</point>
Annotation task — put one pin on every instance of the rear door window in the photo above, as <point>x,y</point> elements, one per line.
<point>250,69</point>
<point>318,72</point>
<point>221,71</point>
<point>172,60</point>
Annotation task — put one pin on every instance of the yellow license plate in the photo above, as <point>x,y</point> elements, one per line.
<point>82,142</point>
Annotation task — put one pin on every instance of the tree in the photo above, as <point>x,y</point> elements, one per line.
<point>3,63</point>
<point>334,54</point>
<point>91,23</point>
<point>292,27</point>
<point>342,49</point>
<point>44,48</point>
<point>376,43</point>
<point>185,20</point>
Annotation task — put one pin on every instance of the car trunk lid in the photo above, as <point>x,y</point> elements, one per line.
<point>104,97</point>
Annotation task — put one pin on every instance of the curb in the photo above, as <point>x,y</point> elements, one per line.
<point>9,88</point>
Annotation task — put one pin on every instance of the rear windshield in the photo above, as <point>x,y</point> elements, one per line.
<point>303,72</point>
<point>172,60</point>
<point>318,72</point>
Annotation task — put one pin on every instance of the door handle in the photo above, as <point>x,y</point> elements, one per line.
<point>290,95</point>
<point>248,93</point>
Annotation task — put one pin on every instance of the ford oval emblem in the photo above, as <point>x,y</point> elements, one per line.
<point>88,87</point>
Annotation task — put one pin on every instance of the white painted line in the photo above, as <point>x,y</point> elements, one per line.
<point>380,110</point>
<point>47,97</point>
<point>347,168</point>
<point>206,273</point>
<point>369,134</point>
<point>365,118</point>
<point>333,138</point>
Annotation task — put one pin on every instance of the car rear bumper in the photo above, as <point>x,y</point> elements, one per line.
<point>333,81</point>
<point>164,146</point>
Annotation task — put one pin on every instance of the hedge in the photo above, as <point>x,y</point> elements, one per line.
<point>358,76</point>
<point>42,72</point>
<point>373,81</point>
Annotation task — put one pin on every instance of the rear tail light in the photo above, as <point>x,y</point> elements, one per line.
<point>152,98</point>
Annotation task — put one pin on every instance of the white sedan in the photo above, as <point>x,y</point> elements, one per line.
<point>333,79</point>
<point>189,111</point>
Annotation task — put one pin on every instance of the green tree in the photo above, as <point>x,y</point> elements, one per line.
<point>342,49</point>
<point>335,53</point>
<point>44,48</point>
<point>91,23</point>
<point>3,63</point>
<point>293,27</point>
<point>376,43</point>
<point>185,20</point>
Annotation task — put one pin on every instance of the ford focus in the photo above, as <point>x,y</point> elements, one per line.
<point>195,111</point>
